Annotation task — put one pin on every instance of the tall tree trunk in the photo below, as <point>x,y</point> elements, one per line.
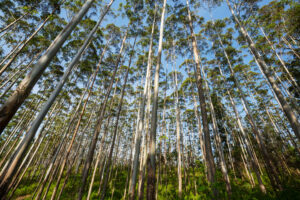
<point>129,167</point>
<point>78,123</point>
<point>115,131</point>
<point>10,169</point>
<point>246,163</point>
<point>272,171</point>
<point>82,143</point>
<point>151,167</point>
<point>195,107</point>
<point>178,134</point>
<point>265,69</point>
<point>144,158</point>
<point>98,126</point>
<point>20,73</point>
<point>39,140</point>
<point>218,140</point>
<point>10,107</point>
<point>210,165</point>
<point>254,164</point>
<point>100,152</point>
<point>143,161</point>
<point>141,121</point>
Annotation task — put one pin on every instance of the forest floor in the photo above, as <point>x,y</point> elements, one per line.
<point>194,186</point>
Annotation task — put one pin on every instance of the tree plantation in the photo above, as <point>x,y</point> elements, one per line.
<point>149,99</point>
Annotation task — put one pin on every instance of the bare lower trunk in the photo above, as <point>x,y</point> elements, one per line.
<point>97,129</point>
<point>151,167</point>
<point>210,165</point>
<point>254,164</point>
<point>140,123</point>
<point>178,137</point>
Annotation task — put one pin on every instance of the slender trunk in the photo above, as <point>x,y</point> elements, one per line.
<point>281,61</point>
<point>98,126</point>
<point>265,69</point>
<point>143,161</point>
<point>199,124</point>
<point>10,53</point>
<point>178,138</point>
<point>128,170</point>
<point>55,171</point>
<point>269,165</point>
<point>164,129</point>
<point>254,164</point>
<point>7,65</point>
<point>14,22</point>
<point>151,170</point>
<point>78,124</point>
<point>20,73</point>
<point>230,154</point>
<point>246,163</point>
<point>21,122</point>
<point>39,140</point>
<point>52,165</point>
<point>10,107</point>
<point>134,142</point>
<point>98,158</point>
<point>218,140</point>
<point>71,165</point>
<point>159,170</point>
<point>115,130</point>
<point>210,165</point>
<point>290,46</point>
<point>141,121</point>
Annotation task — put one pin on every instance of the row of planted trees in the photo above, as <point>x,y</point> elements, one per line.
<point>149,99</point>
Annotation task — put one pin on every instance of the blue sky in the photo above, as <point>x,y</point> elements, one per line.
<point>218,13</point>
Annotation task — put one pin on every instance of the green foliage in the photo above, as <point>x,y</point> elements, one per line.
<point>168,189</point>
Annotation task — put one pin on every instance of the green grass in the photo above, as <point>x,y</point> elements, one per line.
<point>168,188</point>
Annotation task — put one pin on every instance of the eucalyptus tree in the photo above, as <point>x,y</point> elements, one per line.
<point>178,135</point>
<point>97,128</point>
<point>218,139</point>
<point>100,119</point>
<point>116,123</point>
<point>27,40</point>
<point>210,165</point>
<point>246,140</point>
<point>79,120</point>
<point>141,120</point>
<point>10,107</point>
<point>289,112</point>
<point>26,141</point>
<point>151,181</point>
<point>229,54</point>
